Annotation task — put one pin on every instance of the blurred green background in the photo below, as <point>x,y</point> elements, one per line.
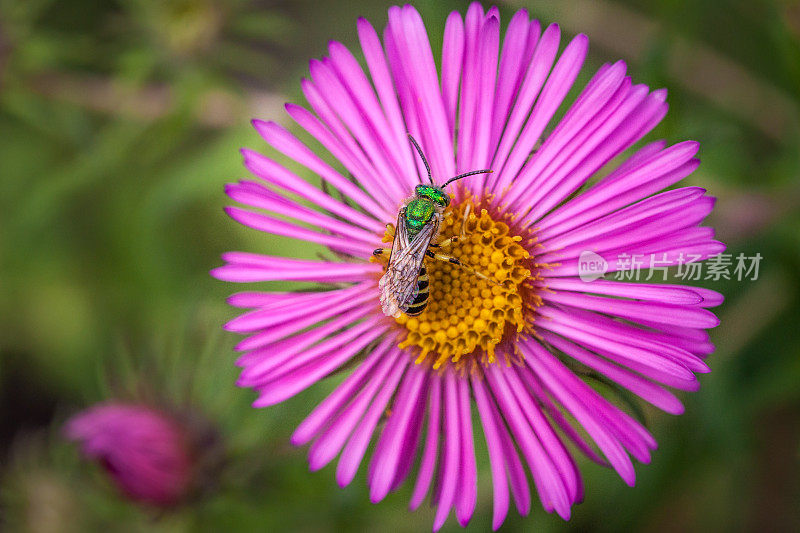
<point>119,124</point>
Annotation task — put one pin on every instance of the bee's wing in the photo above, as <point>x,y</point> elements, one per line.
<point>400,280</point>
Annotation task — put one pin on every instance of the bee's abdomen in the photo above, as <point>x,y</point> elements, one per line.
<point>420,300</point>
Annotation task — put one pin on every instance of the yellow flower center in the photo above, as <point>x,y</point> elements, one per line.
<point>467,316</point>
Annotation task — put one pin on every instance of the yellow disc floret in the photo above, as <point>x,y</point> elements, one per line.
<point>468,316</point>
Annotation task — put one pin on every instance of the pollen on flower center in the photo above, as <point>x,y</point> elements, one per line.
<point>467,316</point>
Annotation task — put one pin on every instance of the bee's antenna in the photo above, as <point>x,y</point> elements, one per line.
<point>464,175</point>
<point>419,150</point>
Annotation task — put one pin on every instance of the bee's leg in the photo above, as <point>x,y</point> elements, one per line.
<point>449,242</point>
<point>445,243</point>
<point>378,252</point>
<point>453,261</point>
<point>464,221</point>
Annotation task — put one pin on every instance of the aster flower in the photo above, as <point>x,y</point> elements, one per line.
<point>520,348</point>
<point>146,452</point>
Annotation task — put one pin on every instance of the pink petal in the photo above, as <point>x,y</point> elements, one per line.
<point>273,173</point>
<point>542,396</point>
<point>296,380</point>
<point>672,294</point>
<point>255,195</point>
<point>369,370</point>
<point>338,308</point>
<point>552,372</point>
<point>519,43</point>
<point>542,59</point>
<point>346,108</point>
<point>288,311</point>
<point>596,104</point>
<point>410,444</point>
<point>286,143</point>
<point>430,452</point>
<point>643,388</point>
<point>353,77</point>
<point>676,315</point>
<point>452,58</point>
<point>244,268</point>
<point>635,124</point>
<point>355,163</point>
<point>646,362</point>
<point>478,151</point>
<point>451,452</point>
<point>414,58</point>
<point>544,432</point>
<point>631,334</point>
<point>330,442</point>
<point>267,364</point>
<point>385,461</point>
<point>468,104</point>
<point>381,78</point>
<point>546,477</point>
<point>656,206</point>
<point>643,174</point>
<point>553,93</point>
<point>286,229</point>
<point>496,455</point>
<point>468,482</point>
<point>356,447</point>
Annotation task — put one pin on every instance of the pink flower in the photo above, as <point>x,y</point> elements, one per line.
<point>518,346</point>
<point>145,451</point>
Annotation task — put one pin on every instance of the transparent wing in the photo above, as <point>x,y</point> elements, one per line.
<point>400,280</point>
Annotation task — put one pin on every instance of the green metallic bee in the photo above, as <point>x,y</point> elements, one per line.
<point>404,286</point>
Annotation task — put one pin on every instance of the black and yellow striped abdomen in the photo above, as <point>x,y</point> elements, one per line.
<point>420,300</point>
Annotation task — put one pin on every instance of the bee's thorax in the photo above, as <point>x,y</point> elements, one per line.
<point>419,211</point>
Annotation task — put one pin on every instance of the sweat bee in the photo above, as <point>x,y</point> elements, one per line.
<point>404,286</point>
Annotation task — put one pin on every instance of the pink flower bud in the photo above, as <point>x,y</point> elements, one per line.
<point>145,451</point>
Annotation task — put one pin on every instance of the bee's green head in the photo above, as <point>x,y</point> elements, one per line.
<point>433,193</point>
